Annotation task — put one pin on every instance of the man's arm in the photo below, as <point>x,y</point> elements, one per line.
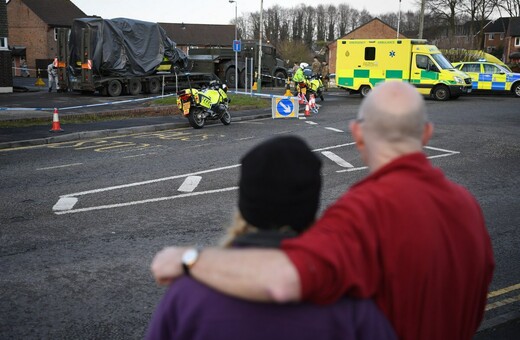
<point>253,274</point>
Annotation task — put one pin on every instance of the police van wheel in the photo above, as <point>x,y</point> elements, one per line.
<point>441,92</point>
<point>364,90</point>
<point>516,89</point>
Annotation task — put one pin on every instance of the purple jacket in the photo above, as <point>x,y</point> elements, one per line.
<point>190,310</point>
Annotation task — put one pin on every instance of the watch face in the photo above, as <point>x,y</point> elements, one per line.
<point>190,256</point>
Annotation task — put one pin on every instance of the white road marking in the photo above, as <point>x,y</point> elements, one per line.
<point>148,182</point>
<point>333,147</point>
<point>334,129</point>
<point>336,159</point>
<point>65,203</point>
<point>59,166</point>
<point>189,184</point>
<point>158,199</point>
<point>311,123</point>
<point>141,155</point>
<point>302,117</point>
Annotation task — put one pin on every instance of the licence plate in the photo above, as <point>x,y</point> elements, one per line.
<point>186,107</point>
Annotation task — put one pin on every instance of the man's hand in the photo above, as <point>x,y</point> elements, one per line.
<point>167,265</point>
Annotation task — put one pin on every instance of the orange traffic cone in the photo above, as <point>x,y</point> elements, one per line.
<point>307,113</point>
<point>56,122</point>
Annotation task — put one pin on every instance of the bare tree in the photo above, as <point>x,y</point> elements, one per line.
<point>447,11</point>
<point>344,18</point>
<point>512,7</point>
<point>331,22</point>
<point>321,27</point>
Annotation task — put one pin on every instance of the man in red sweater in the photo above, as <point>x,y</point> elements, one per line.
<point>405,236</point>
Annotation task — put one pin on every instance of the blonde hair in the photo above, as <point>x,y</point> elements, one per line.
<point>238,227</point>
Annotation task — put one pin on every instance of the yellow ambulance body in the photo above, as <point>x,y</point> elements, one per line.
<point>361,64</point>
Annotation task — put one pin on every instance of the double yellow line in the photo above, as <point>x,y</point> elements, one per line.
<point>505,301</point>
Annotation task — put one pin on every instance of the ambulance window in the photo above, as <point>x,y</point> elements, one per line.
<point>422,61</point>
<point>370,53</point>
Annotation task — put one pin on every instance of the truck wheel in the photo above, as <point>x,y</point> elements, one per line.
<point>134,87</point>
<point>516,89</point>
<point>226,118</point>
<point>230,77</point>
<point>364,90</point>
<point>441,92</point>
<point>114,88</point>
<point>153,86</point>
<point>280,78</point>
<point>196,119</point>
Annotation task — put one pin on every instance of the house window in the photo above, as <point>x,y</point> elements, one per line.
<point>3,44</point>
<point>55,34</point>
<point>501,36</point>
<point>491,36</point>
<point>517,41</point>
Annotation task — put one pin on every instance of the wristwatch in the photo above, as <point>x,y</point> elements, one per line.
<point>189,257</point>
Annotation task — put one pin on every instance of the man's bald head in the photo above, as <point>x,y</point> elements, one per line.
<point>391,123</point>
<point>393,112</point>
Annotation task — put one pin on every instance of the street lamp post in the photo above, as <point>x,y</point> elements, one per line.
<point>259,79</point>
<point>236,52</point>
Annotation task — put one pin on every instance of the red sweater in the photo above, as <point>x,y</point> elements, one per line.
<point>409,238</point>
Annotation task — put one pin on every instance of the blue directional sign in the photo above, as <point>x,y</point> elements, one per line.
<point>237,45</point>
<point>285,108</point>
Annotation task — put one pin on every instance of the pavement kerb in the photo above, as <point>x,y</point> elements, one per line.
<point>115,132</point>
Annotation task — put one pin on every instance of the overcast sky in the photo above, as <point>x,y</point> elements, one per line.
<point>214,11</point>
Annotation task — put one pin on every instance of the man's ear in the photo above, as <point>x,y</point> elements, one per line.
<point>427,133</point>
<point>357,134</point>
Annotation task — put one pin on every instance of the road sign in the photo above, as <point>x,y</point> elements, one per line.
<point>285,108</point>
<point>237,45</point>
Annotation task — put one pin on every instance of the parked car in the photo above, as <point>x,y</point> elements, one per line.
<point>488,76</point>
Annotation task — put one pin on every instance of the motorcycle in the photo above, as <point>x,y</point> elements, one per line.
<point>208,103</point>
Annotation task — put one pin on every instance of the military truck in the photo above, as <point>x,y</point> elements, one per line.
<point>119,56</point>
<point>221,61</point>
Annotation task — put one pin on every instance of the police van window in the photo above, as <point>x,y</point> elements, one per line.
<point>370,53</point>
<point>471,68</point>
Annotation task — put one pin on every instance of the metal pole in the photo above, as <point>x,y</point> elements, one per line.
<point>245,76</point>
<point>421,19</point>
<point>236,52</point>
<point>259,80</point>
<point>399,19</point>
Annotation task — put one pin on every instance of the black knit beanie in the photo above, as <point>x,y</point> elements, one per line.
<point>280,184</point>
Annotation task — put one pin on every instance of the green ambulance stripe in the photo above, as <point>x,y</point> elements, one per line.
<point>365,74</point>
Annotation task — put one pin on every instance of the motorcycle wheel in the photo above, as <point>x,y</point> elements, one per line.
<point>196,119</point>
<point>226,118</point>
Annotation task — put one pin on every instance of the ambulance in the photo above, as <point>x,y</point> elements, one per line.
<point>361,64</point>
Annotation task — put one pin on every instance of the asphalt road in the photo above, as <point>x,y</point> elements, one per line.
<point>79,269</point>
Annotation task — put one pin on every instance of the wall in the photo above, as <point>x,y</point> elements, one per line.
<point>6,75</point>
<point>27,29</point>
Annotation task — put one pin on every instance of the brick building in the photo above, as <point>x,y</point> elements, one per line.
<point>32,28</point>
<point>6,79</point>
<point>502,37</point>
<point>374,29</point>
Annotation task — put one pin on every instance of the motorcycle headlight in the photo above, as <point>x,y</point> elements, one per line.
<point>224,87</point>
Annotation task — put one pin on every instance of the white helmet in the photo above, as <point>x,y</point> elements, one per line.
<point>304,65</point>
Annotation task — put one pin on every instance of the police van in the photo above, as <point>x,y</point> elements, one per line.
<point>361,64</point>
